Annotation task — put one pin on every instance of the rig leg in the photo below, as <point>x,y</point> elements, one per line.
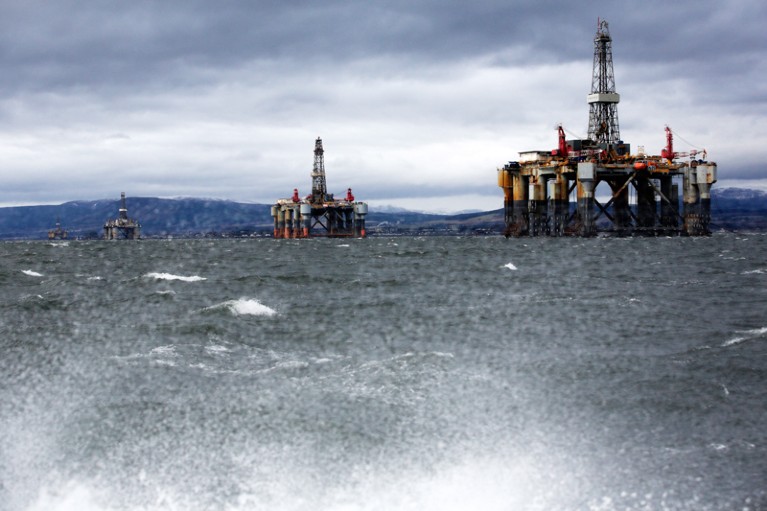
<point>539,209</point>
<point>586,207</point>
<point>520,209</point>
<point>646,207</point>
<point>621,207</point>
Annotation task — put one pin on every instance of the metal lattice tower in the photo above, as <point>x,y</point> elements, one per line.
<point>123,207</point>
<point>319,187</point>
<point>603,100</point>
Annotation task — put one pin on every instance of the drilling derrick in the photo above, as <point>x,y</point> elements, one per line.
<point>554,193</point>
<point>319,214</point>
<point>603,100</point>
<point>319,187</point>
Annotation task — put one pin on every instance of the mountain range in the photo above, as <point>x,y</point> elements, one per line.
<point>731,209</point>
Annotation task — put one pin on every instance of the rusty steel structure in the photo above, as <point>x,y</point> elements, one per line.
<point>122,227</point>
<point>319,214</point>
<point>554,193</point>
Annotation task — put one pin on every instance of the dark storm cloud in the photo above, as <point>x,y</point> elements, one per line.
<point>51,45</point>
<point>71,44</point>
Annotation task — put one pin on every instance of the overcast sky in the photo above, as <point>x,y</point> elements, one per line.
<point>417,102</point>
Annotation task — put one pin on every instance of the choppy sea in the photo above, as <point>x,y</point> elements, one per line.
<point>436,373</point>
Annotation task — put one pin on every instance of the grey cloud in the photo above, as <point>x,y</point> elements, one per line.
<point>82,44</point>
<point>227,96</point>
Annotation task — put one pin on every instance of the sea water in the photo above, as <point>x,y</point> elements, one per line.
<point>436,373</point>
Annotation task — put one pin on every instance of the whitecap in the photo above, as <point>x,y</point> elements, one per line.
<point>245,306</point>
<point>291,364</point>
<point>31,273</point>
<point>343,245</point>
<point>170,276</point>
<point>95,277</point>
<point>746,335</point>
<point>510,266</point>
<point>164,350</point>
<point>759,271</point>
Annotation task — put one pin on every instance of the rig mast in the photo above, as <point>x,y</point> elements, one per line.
<point>603,100</point>
<point>319,187</point>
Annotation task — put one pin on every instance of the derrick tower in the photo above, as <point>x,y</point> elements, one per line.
<point>319,186</point>
<point>603,100</point>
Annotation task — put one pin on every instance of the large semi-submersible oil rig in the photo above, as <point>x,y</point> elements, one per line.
<point>538,187</point>
<point>122,227</point>
<point>319,214</point>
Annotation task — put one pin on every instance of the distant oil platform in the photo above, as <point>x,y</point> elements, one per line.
<point>122,227</point>
<point>319,214</point>
<point>537,188</point>
<point>57,233</point>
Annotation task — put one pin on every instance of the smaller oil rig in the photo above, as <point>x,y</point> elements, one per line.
<point>644,189</point>
<point>319,214</point>
<point>57,233</point>
<point>122,227</point>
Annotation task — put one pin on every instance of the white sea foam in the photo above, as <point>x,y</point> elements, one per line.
<point>746,335</point>
<point>510,266</point>
<point>291,364</point>
<point>170,276</point>
<point>31,273</point>
<point>759,271</point>
<point>164,350</point>
<point>95,277</point>
<point>216,348</point>
<point>245,307</point>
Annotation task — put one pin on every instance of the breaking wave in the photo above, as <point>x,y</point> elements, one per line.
<point>244,307</point>
<point>170,276</point>
<point>747,335</point>
<point>31,273</point>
